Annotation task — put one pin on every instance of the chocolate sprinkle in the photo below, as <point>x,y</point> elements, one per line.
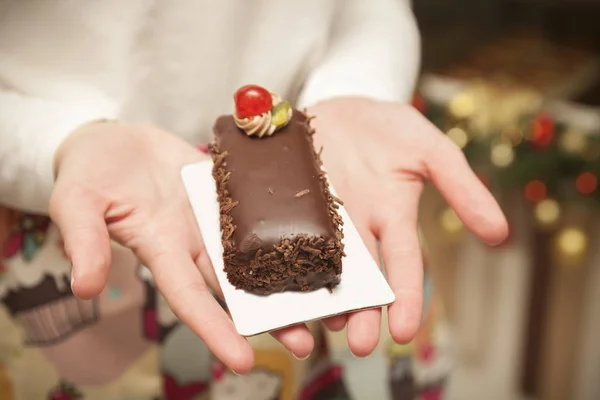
<point>302,193</point>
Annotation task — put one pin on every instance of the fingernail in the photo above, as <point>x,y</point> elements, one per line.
<point>301,358</point>
<point>355,356</point>
<point>72,281</point>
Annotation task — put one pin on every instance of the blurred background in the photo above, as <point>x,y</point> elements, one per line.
<point>516,85</point>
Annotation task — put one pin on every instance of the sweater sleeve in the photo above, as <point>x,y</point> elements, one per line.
<point>374,52</point>
<point>31,129</point>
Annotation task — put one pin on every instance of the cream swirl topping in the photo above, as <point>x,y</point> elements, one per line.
<point>264,124</point>
<point>259,125</point>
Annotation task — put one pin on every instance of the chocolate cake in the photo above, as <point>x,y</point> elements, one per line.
<point>279,222</point>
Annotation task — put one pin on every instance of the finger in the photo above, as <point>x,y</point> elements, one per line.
<point>186,292</point>
<point>402,258</point>
<point>79,214</point>
<point>363,331</point>
<point>448,169</point>
<point>208,273</point>
<point>336,323</point>
<point>297,339</point>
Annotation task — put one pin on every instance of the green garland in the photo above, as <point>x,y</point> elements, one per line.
<point>548,162</point>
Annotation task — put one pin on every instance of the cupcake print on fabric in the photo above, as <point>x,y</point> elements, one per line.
<point>27,236</point>
<point>35,285</point>
<point>258,384</point>
<point>433,365</point>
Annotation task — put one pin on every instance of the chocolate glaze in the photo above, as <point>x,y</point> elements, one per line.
<point>279,223</point>
<point>266,176</point>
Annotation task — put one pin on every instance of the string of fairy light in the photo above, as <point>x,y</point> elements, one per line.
<point>513,146</point>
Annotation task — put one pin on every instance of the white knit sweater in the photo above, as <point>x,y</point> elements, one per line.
<point>177,63</point>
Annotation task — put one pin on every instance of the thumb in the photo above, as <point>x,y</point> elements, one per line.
<point>78,211</point>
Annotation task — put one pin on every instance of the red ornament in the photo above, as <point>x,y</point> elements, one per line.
<point>586,183</point>
<point>252,100</point>
<point>418,102</point>
<point>535,191</point>
<point>542,131</point>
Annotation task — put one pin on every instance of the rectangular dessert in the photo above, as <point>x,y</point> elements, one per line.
<point>279,222</point>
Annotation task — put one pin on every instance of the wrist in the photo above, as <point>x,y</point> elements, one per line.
<point>72,138</point>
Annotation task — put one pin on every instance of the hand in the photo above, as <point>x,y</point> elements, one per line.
<point>124,182</point>
<point>378,156</point>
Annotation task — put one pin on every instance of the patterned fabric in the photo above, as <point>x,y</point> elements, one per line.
<point>27,236</point>
<point>128,344</point>
<point>325,380</point>
<point>420,369</point>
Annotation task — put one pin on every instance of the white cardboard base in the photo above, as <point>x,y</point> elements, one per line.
<point>362,286</point>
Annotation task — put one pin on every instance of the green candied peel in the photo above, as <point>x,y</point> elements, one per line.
<point>279,113</point>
